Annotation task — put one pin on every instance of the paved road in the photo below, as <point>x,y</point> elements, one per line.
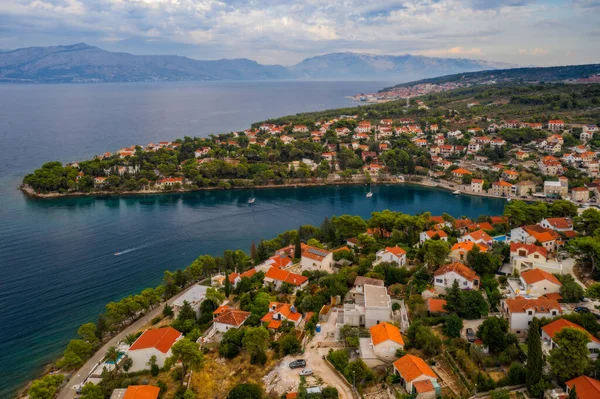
<point>68,392</point>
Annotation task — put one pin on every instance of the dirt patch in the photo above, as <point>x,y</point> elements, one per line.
<point>496,375</point>
<point>583,274</point>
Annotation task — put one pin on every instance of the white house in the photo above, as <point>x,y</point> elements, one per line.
<point>277,277</point>
<point>386,340</point>
<point>194,296</point>
<point>280,312</point>
<point>520,312</point>
<point>392,254</point>
<point>314,258</point>
<point>415,375</point>
<point>445,276</point>
<point>157,343</point>
<point>369,309</point>
<point>557,224</point>
<point>527,256</point>
<point>550,330</point>
<point>538,282</point>
<point>428,235</point>
<point>477,237</point>
<point>227,318</point>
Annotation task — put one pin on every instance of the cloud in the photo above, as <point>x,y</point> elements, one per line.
<point>452,51</point>
<point>535,51</point>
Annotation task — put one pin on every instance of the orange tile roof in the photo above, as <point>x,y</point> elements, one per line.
<point>544,237</point>
<point>285,276</point>
<point>232,317</point>
<point>458,268</point>
<point>291,395</point>
<point>502,183</point>
<point>436,305</point>
<point>439,233</point>
<point>462,171</point>
<point>412,367</point>
<point>344,248</point>
<point>481,226</point>
<point>586,387</point>
<point>536,275</point>
<point>141,392</point>
<point>480,235</point>
<point>284,309</point>
<point>557,325</point>
<point>498,219</point>
<point>383,332</point>
<point>530,248</point>
<point>553,295</point>
<point>315,253</point>
<point>520,304</point>
<point>462,223</point>
<point>396,251</point>
<point>467,246</point>
<point>221,309</point>
<point>437,219</point>
<point>560,223</point>
<point>423,386</point>
<point>160,338</point>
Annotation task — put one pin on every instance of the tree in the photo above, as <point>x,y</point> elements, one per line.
<point>454,299</point>
<point>188,353</point>
<point>253,253</point>
<point>262,253</point>
<point>297,247</point>
<point>572,393</point>
<point>436,252</point>
<point>570,290</point>
<point>167,310</point>
<point>289,344</point>
<point>587,249</point>
<point>593,291</point>
<point>493,333</point>
<point>535,362</point>
<point>46,387</point>
<point>186,319</point>
<point>569,358</point>
<point>563,208</point>
<point>113,355</point>
<point>245,391</point>
<point>91,391</point>
<point>500,394</point>
<point>255,341</point>
<point>87,332</point>
<point>227,285</point>
<point>453,326</point>
<point>588,222</point>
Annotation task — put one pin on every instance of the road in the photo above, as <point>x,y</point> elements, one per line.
<point>68,392</point>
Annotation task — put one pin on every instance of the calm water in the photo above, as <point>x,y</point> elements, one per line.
<point>57,257</point>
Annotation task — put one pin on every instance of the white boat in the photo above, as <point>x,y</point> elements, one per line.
<point>508,199</point>
<point>456,192</point>
<point>369,194</point>
<point>251,200</point>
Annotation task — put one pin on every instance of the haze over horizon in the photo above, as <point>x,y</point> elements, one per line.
<point>523,32</point>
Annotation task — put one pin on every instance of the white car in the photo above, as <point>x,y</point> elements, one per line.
<point>306,372</point>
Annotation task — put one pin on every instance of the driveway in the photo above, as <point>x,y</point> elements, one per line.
<point>474,324</point>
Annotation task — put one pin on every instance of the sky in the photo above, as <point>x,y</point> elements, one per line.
<point>523,32</point>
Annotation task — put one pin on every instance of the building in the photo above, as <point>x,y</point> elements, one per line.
<point>550,330</point>
<point>460,172</point>
<point>392,254</point>
<point>585,387</point>
<point>520,312</point>
<point>527,256</point>
<point>194,296</point>
<point>157,343</point>
<point>580,194</point>
<point>430,234</point>
<point>280,312</point>
<point>531,234</point>
<point>557,189</point>
<point>459,251</point>
<point>314,258</point>
<point>525,188</point>
<point>386,340</point>
<point>416,376</point>
<point>510,175</point>
<point>436,305</point>
<point>445,276</point>
<point>537,282</point>
<point>477,185</point>
<point>556,125</point>
<point>136,392</point>
<point>169,182</point>
<point>477,237</point>
<point>235,278</point>
<point>229,318</point>
<point>358,291</point>
<point>550,166</point>
<point>374,306</point>
<point>503,188</point>
<point>557,224</point>
<point>277,277</point>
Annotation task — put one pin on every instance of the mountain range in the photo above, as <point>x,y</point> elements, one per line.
<point>83,63</point>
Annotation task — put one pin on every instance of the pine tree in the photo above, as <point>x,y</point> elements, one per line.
<point>262,252</point>
<point>534,354</point>
<point>454,298</point>
<point>327,231</point>
<point>227,284</point>
<point>297,247</point>
<point>253,252</point>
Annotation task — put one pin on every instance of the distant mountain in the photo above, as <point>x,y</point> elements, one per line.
<point>83,63</point>
<point>530,74</point>
<point>367,66</point>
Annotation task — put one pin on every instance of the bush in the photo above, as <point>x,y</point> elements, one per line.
<point>289,344</point>
<point>154,369</point>
<point>329,393</point>
<point>245,391</point>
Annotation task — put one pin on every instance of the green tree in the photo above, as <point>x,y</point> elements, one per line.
<point>297,247</point>
<point>454,298</point>
<point>493,332</point>
<point>87,332</point>
<point>227,285</point>
<point>593,291</point>
<point>245,391</point>
<point>453,326</point>
<point>262,253</point>
<point>46,387</point>
<point>500,394</point>
<point>91,391</point>
<point>113,355</point>
<point>570,290</point>
<point>289,344</point>
<point>573,393</point>
<point>188,353</point>
<point>563,208</point>
<point>436,252</point>
<point>255,341</point>
<point>569,358</point>
<point>535,362</point>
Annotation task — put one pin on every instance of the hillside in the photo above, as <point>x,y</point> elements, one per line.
<point>534,74</point>
<point>83,63</point>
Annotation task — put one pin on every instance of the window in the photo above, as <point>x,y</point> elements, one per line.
<point>439,280</point>
<point>530,312</point>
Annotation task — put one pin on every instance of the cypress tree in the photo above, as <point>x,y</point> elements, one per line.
<point>572,393</point>
<point>227,284</point>
<point>262,253</point>
<point>253,252</point>
<point>534,354</point>
<point>297,247</point>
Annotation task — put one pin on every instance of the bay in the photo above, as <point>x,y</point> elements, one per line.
<point>57,257</point>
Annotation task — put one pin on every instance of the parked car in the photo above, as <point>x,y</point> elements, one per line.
<point>471,337</point>
<point>582,309</point>
<point>298,363</point>
<point>306,372</point>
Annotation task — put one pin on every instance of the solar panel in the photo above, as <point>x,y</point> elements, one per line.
<point>318,252</point>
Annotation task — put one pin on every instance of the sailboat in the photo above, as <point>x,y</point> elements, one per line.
<point>251,200</point>
<point>370,193</point>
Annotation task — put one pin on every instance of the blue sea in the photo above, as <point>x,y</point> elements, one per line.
<point>57,257</point>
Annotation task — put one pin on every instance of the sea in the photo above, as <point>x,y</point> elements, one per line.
<point>57,257</point>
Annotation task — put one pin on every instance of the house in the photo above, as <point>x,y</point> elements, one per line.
<point>477,185</point>
<point>229,318</point>
<point>557,224</point>
<point>510,175</point>
<point>556,125</point>
<point>436,305</point>
<point>99,181</point>
<point>415,375</point>
<point>550,330</point>
<point>521,155</point>
<point>373,168</point>
<point>477,237</point>
<point>550,166</point>
<point>460,172</point>
<point>235,278</point>
<point>358,291</point>
<point>169,182</point>
<point>136,392</point>
<point>527,256</point>
<point>201,152</point>
<point>585,387</point>
<point>461,225</point>
<point>459,251</point>
<point>280,312</point>
<point>386,340</point>
<point>445,276</point>
<point>157,343</point>
<point>537,282</point>
<point>525,188</point>
<point>372,307</point>
<point>557,189</point>
<point>363,127</point>
<point>520,312</point>
<point>496,143</point>
<point>429,234</point>
<point>277,277</point>
<point>300,129</point>
<point>314,258</point>
<point>194,296</point>
<point>580,194</point>
<point>392,254</point>
<point>503,188</point>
